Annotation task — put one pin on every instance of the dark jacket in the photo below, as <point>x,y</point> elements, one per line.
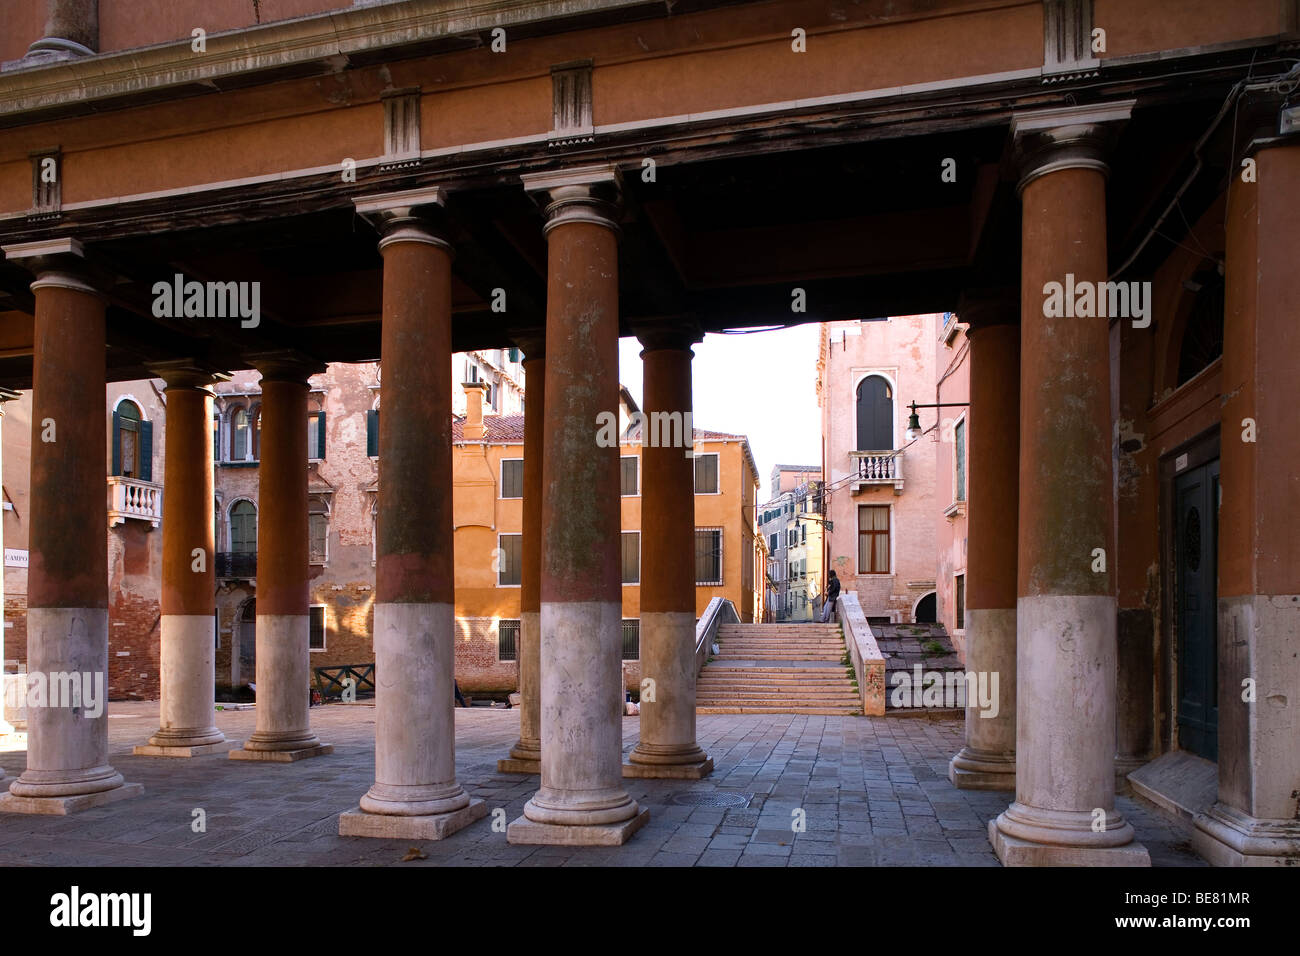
<point>833,589</point>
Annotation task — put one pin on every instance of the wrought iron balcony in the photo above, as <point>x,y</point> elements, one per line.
<point>878,468</point>
<point>133,498</point>
<point>236,564</point>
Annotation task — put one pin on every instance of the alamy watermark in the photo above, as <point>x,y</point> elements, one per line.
<point>208,300</point>
<point>75,690</point>
<point>655,429</point>
<point>922,688</point>
<point>1086,300</point>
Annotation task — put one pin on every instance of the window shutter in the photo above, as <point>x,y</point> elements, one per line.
<point>320,435</point>
<point>117,443</point>
<point>146,451</point>
<point>372,433</point>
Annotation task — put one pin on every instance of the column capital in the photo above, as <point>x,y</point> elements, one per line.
<point>413,215</point>
<point>579,194</point>
<point>285,365</point>
<point>676,333</point>
<point>59,263</point>
<point>1066,137</point>
<point>532,342</point>
<point>188,374</point>
<point>1264,117</point>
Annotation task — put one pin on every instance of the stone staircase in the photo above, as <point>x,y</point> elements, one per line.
<point>786,668</point>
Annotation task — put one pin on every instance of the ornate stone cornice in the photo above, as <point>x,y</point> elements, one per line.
<point>59,264</point>
<point>578,194</point>
<point>414,215</point>
<point>285,365</point>
<point>1069,137</point>
<point>186,373</point>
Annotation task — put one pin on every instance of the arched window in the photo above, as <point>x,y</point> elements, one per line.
<point>132,442</point>
<point>875,414</point>
<point>239,434</point>
<point>243,527</point>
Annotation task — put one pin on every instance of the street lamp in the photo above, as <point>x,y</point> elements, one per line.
<point>914,420</point>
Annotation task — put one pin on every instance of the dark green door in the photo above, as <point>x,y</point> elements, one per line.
<point>1196,496</point>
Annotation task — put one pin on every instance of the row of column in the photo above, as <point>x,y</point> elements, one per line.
<point>1041,532</point>
<point>570,668</point>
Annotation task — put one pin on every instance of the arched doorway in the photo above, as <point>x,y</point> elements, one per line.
<point>247,643</point>
<point>925,612</point>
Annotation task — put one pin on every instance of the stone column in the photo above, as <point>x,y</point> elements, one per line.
<point>1256,819</point>
<point>415,794</point>
<point>667,747</point>
<point>988,760</point>
<point>67,580</point>
<point>1064,812</point>
<point>581,800</point>
<point>526,754</point>
<point>283,732</point>
<point>188,651</point>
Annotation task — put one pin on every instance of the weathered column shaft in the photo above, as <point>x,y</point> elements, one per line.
<point>283,627</point>
<point>988,760</point>
<point>1064,810</point>
<point>415,793</point>
<point>1256,820</point>
<point>67,579</point>
<point>188,654</point>
<point>668,662</point>
<point>581,590</point>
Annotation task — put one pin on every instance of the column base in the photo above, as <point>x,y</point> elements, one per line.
<point>516,765</point>
<point>1225,836</point>
<point>438,826</point>
<point>282,756</point>
<point>530,832</point>
<point>198,750</point>
<point>1014,851</point>
<point>669,771</point>
<point>62,806</point>
<point>976,770</point>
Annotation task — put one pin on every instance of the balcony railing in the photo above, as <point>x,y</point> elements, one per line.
<point>878,468</point>
<point>236,564</point>
<point>133,498</point>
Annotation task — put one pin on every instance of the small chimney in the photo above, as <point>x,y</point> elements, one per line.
<point>474,429</point>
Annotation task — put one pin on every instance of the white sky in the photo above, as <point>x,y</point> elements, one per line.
<point>760,384</point>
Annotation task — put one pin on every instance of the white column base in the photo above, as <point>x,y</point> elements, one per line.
<point>582,723</point>
<point>188,660</point>
<point>415,723</point>
<point>668,722</point>
<point>529,832</point>
<point>62,806</point>
<point>977,770</point>
<point>67,747</point>
<point>1225,836</point>
<point>358,823</point>
<point>283,689</point>
<point>1064,813</point>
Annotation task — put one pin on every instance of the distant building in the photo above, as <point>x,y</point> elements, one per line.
<point>952,475</point>
<point>880,486</point>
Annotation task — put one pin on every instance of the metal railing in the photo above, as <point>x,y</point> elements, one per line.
<point>236,564</point>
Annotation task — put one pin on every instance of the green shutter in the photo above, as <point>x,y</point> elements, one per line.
<point>372,433</point>
<point>320,435</point>
<point>146,451</point>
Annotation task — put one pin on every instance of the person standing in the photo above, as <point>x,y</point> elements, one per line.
<point>832,596</point>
